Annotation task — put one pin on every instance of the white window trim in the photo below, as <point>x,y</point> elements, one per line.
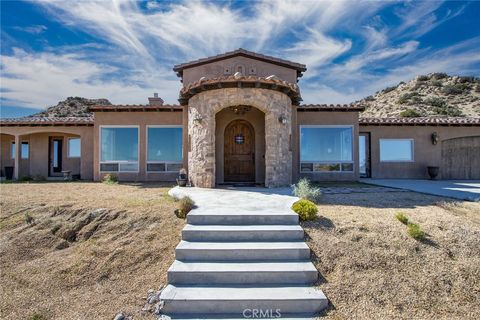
<point>21,153</point>
<point>166,162</point>
<point>325,162</point>
<point>396,139</point>
<point>100,162</point>
<point>68,147</point>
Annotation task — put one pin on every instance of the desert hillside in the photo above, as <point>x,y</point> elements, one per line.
<point>72,107</point>
<point>432,95</point>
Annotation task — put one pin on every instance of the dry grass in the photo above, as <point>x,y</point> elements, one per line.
<point>373,269</point>
<point>91,251</point>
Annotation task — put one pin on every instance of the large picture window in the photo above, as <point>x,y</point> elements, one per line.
<point>164,148</point>
<point>396,150</point>
<point>326,148</point>
<point>119,149</point>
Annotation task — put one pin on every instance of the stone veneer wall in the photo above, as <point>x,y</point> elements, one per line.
<point>204,106</point>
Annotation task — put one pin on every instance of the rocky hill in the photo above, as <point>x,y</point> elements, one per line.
<point>72,107</point>
<point>432,95</point>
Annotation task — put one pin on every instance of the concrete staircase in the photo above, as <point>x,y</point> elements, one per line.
<point>232,263</point>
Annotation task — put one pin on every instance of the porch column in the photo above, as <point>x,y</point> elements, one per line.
<point>17,157</point>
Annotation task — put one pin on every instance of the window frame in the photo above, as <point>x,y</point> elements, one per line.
<point>165,162</point>
<point>22,157</point>
<point>412,147</point>
<point>340,162</point>
<point>100,162</point>
<point>68,148</point>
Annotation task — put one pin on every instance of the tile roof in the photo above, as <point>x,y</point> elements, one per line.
<point>290,89</point>
<point>331,107</point>
<point>134,107</point>
<point>47,121</point>
<point>450,121</point>
<point>241,52</point>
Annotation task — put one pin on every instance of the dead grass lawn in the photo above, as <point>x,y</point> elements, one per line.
<point>372,269</point>
<point>91,251</point>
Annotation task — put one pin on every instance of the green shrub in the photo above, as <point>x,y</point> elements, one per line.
<point>304,190</point>
<point>110,178</point>
<point>466,79</point>
<point>28,218</point>
<point>415,231</point>
<point>37,316</point>
<point>388,89</point>
<point>436,83</point>
<point>370,98</point>
<point>410,113</point>
<point>423,78</point>
<point>452,89</point>
<point>402,218</point>
<point>26,178</point>
<point>185,205</point>
<point>436,102</point>
<point>404,98</point>
<point>448,111</point>
<point>305,209</point>
<point>439,75</point>
<point>39,177</point>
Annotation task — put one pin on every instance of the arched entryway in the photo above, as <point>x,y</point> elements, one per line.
<point>239,152</point>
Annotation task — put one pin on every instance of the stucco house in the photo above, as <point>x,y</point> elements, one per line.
<point>240,120</point>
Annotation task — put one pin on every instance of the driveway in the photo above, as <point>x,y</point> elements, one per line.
<point>457,189</point>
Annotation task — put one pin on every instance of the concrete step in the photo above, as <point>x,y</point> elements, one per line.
<point>229,216</point>
<point>242,233</point>
<point>242,251</point>
<point>235,300</point>
<point>300,272</point>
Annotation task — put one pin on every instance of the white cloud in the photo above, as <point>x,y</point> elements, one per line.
<point>34,29</point>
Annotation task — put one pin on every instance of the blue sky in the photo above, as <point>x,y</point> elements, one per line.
<point>124,50</point>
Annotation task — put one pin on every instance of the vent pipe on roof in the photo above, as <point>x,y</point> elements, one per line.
<point>155,100</point>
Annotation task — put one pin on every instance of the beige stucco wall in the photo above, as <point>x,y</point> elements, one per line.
<point>324,118</point>
<point>38,138</point>
<point>141,119</point>
<point>5,149</point>
<point>202,109</point>
<point>425,153</point>
<point>216,69</point>
<point>257,119</point>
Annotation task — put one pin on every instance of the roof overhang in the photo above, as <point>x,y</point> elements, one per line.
<point>135,108</point>
<point>47,122</point>
<point>330,107</point>
<point>423,121</point>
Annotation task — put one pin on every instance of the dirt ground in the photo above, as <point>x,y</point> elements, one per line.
<point>90,251</point>
<point>372,269</point>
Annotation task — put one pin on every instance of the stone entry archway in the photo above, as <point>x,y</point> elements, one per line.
<point>239,152</point>
<point>203,107</point>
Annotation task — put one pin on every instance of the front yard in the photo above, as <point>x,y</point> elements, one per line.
<point>372,269</point>
<point>90,250</point>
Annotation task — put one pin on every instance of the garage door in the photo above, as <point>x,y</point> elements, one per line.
<point>461,158</point>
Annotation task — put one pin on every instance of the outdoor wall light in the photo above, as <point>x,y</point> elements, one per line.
<point>435,138</point>
<point>282,119</point>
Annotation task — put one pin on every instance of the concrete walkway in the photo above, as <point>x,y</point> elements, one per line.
<point>457,189</point>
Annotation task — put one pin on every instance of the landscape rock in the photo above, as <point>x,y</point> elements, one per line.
<point>72,107</point>
<point>119,316</point>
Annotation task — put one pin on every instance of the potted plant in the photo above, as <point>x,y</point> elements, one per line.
<point>433,172</point>
<point>182,178</point>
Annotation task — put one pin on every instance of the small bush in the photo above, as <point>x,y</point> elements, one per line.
<point>410,113</point>
<point>370,98</point>
<point>110,178</point>
<point>423,78</point>
<point>415,231</point>
<point>439,75</point>
<point>304,190</point>
<point>305,209</point>
<point>452,89</point>
<point>185,205</point>
<point>388,89</point>
<point>466,79</point>
<point>28,218</point>
<point>436,83</point>
<point>26,178</point>
<point>37,316</point>
<point>402,218</point>
<point>436,102</point>
<point>448,111</point>
<point>404,98</point>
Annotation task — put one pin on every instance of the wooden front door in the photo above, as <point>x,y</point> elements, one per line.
<point>239,152</point>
